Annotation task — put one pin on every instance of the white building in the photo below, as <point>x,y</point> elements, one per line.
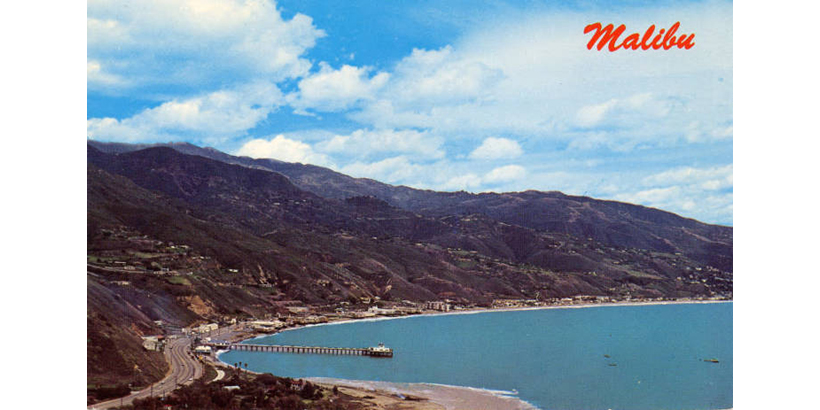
<point>439,305</point>
<point>202,350</point>
<point>380,311</point>
<point>210,327</point>
<point>267,325</point>
<point>153,343</point>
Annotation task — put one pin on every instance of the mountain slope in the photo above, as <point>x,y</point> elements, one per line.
<point>264,218</point>
<point>187,239</point>
<point>608,222</point>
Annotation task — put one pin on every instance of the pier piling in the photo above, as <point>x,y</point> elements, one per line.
<point>345,351</point>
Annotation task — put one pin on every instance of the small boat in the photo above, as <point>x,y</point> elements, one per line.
<point>711,360</point>
<point>612,364</point>
<point>607,356</point>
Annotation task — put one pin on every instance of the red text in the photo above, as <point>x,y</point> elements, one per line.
<point>609,36</point>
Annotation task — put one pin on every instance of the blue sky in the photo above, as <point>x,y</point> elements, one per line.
<point>445,95</point>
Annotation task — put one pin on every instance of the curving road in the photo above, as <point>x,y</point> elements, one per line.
<point>184,369</point>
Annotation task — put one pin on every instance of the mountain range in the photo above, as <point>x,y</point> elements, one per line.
<point>181,234</point>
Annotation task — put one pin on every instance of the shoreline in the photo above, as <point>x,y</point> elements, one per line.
<point>474,311</point>
<point>446,397</point>
<point>442,396</point>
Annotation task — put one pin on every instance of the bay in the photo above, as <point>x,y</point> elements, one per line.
<point>552,358</point>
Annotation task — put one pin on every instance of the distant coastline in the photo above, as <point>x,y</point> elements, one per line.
<point>245,336</point>
<point>449,396</point>
<point>473,311</point>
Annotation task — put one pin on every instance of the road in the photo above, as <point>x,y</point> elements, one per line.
<point>184,369</point>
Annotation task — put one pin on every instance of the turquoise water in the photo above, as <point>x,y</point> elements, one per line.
<point>554,358</point>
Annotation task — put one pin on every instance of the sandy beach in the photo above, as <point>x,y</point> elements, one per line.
<point>423,396</point>
<point>417,396</point>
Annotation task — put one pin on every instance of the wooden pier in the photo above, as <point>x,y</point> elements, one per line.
<point>380,351</point>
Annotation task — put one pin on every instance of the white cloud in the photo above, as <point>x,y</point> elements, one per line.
<point>685,201</point>
<point>506,173</point>
<point>652,197</point>
<point>283,149</point>
<point>497,148</point>
<point>335,90</point>
<point>467,182</point>
<point>531,75</point>
<point>98,77</point>
<point>528,77</point>
<point>212,117</point>
<point>713,178</point>
<point>365,143</point>
<point>696,131</point>
<point>392,170</point>
<point>627,111</point>
<point>440,76</point>
<point>442,175</point>
<point>702,192</point>
<point>195,42</point>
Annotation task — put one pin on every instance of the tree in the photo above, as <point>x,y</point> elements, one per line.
<point>308,391</point>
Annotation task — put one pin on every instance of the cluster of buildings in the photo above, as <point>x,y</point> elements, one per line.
<point>202,350</point>
<point>441,306</point>
<point>205,328</point>
<point>513,303</point>
<point>266,326</point>
<point>154,343</point>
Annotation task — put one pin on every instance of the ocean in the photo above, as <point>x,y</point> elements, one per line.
<point>603,357</point>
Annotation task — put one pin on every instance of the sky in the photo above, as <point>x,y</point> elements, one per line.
<point>446,95</point>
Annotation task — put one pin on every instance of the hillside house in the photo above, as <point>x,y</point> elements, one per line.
<point>153,343</point>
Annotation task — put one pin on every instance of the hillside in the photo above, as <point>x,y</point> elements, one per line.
<point>187,238</point>
<point>611,223</point>
<point>264,204</point>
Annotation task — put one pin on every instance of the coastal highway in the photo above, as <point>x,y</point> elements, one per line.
<point>184,369</point>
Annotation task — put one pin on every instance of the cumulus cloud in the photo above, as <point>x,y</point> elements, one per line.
<point>283,149</point>
<point>335,90</point>
<point>212,117</point>
<point>698,132</point>
<point>497,148</point>
<point>653,196</point>
<point>708,206</point>
<point>506,173</point>
<point>712,178</point>
<point>467,182</point>
<point>441,77</point>
<point>392,170</point>
<point>626,111</point>
<point>97,77</point>
<point>443,175</point>
<point>190,43</point>
<point>527,76</point>
<point>366,143</point>
<point>531,75</point>
<point>706,192</point>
